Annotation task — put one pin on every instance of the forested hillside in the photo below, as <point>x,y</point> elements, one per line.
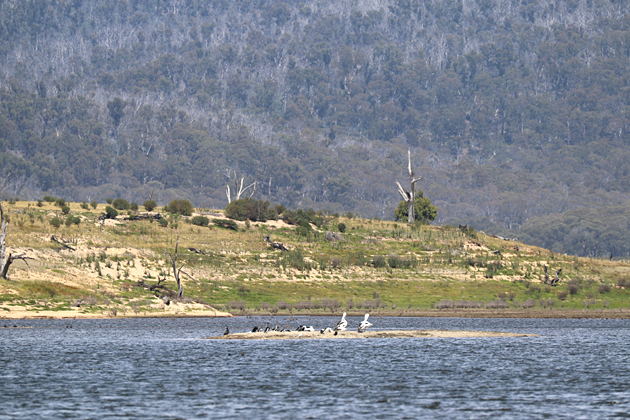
<point>515,111</point>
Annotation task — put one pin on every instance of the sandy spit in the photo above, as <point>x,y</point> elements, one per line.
<point>295,335</point>
<point>26,314</point>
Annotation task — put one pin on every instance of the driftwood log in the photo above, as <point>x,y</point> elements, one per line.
<point>276,245</point>
<point>52,238</point>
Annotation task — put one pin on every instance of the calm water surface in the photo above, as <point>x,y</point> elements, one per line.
<point>161,369</point>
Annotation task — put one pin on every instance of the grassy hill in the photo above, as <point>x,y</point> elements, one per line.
<point>377,266</point>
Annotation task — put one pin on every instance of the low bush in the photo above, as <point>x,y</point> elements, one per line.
<point>85,206</point>
<point>94,204</point>
<point>341,227</point>
<point>50,198</point>
<point>60,202</point>
<point>444,304</point>
<point>133,206</point>
<point>226,224</point>
<point>249,209</point>
<point>604,288</point>
<point>200,221</point>
<point>120,204</point>
<point>163,222</point>
<point>149,205</point>
<point>55,222</point>
<point>183,207</point>
<point>72,220</point>
<point>111,212</point>
<point>65,209</point>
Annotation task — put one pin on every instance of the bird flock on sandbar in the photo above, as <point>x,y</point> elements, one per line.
<point>342,325</point>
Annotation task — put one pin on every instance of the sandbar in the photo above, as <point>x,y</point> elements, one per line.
<point>304,335</point>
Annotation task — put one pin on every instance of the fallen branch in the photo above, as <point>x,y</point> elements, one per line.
<point>197,251</point>
<point>52,238</point>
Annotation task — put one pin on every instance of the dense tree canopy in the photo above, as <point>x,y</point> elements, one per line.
<point>517,109</point>
<point>423,210</point>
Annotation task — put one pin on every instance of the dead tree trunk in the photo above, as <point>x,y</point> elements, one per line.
<point>239,189</point>
<point>176,271</point>
<point>409,196</point>
<point>7,260</point>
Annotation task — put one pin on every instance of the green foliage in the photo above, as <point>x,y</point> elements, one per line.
<point>85,206</point>
<point>133,206</point>
<point>50,199</point>
<point>55,222</point>
<point>109,200</point>
<point>424,211</point>
<point>183,207</point>
<point>149,205</point>
<point>94,204</point>
<point>72,220</point>
<point>120,204</point>
<point>163,222</point>
<point>302,218</point>
<point>254,210</point>
<point>60,202</point>
<point>111,212</point>
<point>341,227</point>
<point>40,203</point>
<point>200,221</point>
<point>65,209</point>
<point>226,224</point>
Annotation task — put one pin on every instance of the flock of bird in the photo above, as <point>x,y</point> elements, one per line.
<point>342,325</point>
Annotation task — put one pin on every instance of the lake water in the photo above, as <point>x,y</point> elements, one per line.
<point>161,369</point>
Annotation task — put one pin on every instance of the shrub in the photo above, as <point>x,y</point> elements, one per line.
<point>573,288</point>
<point>444,304</point>
<point>529,303</point>
<point>149,205</point>
<point>55,222</point>
<point>65,209</point>
<point>604,288</point>
<point>341,227</point>
<point>50,199</point>
<point>226,224</point>
<point>254,210</point>
<point>200,221</point>
<point>497,304</point>
<point>120,204</point>
<point>163,222</point>
<point>562,295</point>
<point>72,220</point>
<point>111,212</point>
<point>108,200</point>
<point>379,261</point>
<point>60,202</point>
<point>133,206</point>
<point>94,204</point>
<point>40,203</point>
<point>183,207</point>
<point>84,206</point>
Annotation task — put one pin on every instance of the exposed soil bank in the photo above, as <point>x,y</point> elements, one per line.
<point>272,335</point>
<point>18,313</point>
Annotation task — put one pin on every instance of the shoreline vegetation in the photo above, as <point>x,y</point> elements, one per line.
<point>81,266</point>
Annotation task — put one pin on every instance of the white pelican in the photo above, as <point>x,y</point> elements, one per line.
<point>364,325</point>
<point>341,325</point>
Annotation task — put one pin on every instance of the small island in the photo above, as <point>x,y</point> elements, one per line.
<point>306,335</point>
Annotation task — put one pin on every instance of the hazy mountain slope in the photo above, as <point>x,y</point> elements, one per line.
<point>513,110</point>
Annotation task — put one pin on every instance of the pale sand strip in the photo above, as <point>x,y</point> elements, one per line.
<point>295,335</point>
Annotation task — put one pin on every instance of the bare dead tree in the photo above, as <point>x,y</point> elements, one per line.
<point>409,196</point>
<point>554,281</point>
<point>239,189</point>
<point>176,271</point>
<point>7,260</point>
